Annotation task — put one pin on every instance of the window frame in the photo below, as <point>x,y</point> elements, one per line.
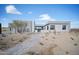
<point>52,27</point>
<point>63,27</point>
<point>47,27</point>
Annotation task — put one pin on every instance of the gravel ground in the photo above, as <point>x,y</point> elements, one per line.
<point>49,43</point>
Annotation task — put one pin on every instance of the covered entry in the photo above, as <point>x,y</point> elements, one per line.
<point>38,28</point>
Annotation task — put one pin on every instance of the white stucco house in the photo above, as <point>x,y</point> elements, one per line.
<point>58,26</point>
<point>28,27</point>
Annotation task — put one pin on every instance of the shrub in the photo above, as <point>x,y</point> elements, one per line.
<point>53,37</point>
<point>46,39</point>
<point>31,53</point>
<point>75,44</point>
<point>72,38</point>
<point>3,35</point>
<point>41,44</point>
<point>67,52</point>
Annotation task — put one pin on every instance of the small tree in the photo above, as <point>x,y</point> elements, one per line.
<point>12,26</point>
<point>18,25</point>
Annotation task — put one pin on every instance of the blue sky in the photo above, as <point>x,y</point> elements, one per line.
<point>40,13</point>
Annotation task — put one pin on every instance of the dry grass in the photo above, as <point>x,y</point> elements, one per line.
<point>50,43</point>
<point>12,39</point>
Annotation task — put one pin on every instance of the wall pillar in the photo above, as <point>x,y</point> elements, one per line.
<point>49,27</point>
<point>45,27</point>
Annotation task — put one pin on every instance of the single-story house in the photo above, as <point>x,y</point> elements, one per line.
<point>57,26</point>
<point>28,27</point>
<point>49,26</point>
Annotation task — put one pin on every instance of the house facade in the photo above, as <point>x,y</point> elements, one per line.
<point>28,27</point>
<point>58,26</point>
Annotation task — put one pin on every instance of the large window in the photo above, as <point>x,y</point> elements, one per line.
<point>64,27</point>
<point>52,27</point>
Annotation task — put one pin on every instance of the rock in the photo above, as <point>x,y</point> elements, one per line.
<point>3,35</point>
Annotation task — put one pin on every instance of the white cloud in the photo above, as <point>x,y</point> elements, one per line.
<point>12,10</point>
<point>29,12</point>
<point>45,17</point>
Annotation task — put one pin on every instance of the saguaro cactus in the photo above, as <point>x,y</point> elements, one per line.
<point>0,29</point>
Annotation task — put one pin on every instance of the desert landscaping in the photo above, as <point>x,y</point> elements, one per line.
<point>42,43</point>
<point>39,29</point>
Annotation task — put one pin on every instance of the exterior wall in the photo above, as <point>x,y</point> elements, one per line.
<point>58,27</point>
<point>29,26</point>
<point>33,26</point>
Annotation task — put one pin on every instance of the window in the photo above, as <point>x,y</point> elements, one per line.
<point>64,27</point>
<point>52,27</point>
<point>47,27</point>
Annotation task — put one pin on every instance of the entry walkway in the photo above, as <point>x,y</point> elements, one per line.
<point>25,46</point>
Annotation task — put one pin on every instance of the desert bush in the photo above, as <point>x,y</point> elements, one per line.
<point>4,35</point>
<point>71,38</point>
<point>54,32</point>
<point>53,37</point>
<point>31,53</point>
<point>41,43</point>
<point>4,46</point>
<point>20,40</point>
<point>67,52</point>
<point>12,39</point>
<point>43,37</point>
<point>1,39</point>
<point>46,39</point>
<point>75,44</point>
<point>47,33</point>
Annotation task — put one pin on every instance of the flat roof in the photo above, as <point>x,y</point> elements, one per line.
<point>53,22</point>
<point>58,22</point>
